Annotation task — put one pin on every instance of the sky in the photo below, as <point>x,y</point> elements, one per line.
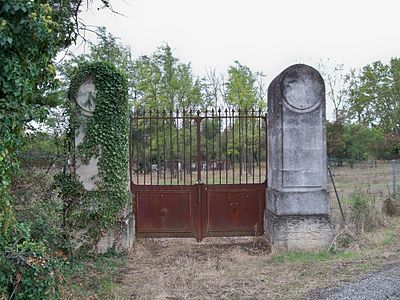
<point>265,35</point>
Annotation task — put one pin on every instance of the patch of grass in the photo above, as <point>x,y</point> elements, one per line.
<point>308,257</point>
<point>94,277</point>
<point>390,237</point>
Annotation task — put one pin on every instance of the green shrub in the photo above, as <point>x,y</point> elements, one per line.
<point>363,213</point>
<point>27,270</point>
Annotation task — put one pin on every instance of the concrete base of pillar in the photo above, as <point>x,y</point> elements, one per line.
<point>121,237</point>
<point>298,232</point>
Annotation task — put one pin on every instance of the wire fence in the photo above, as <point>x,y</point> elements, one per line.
<point>377,179</point>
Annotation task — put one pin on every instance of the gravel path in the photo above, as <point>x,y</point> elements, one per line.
<point>384,284</point>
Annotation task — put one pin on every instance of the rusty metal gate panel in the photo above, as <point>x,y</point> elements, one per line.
<point>233,210</point>
<point>168,212</point>
<point>198,174</point>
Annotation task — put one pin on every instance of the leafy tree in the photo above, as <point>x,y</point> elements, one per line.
<point>107,48</point>
<point>165,83</point>
<point>32,32</point>
<point>363,142</point>
<point>356,141</point>
<point>241,88</point>
<point>336,143</point>
<point>374,95</point>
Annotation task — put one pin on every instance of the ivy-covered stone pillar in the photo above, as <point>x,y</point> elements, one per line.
<point>99,123</point>
<point>297,209</point>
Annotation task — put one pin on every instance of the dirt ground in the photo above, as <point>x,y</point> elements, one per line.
<point>240,268</point>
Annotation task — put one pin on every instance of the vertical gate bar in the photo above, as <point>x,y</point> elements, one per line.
<point>240,147</point>
<point>171,164</point>
<point>213,146</point>
<point>177,146</point>
<point>206,141</point>
<point>220,142</point>
<point>184,146</point>
<point>233,145</point>
<point>198,154</point>
<point>252,142</point>
<point>151,148</point>
<point>158,149</point>
<point>164,145</point>
<point>259,146</point>
<point>226,145</point>
<point>137,146</point>
<point>247,143</point>
<point>130,148</point>
<point>266,148</point>
<point>190,145</point>
<point>144,147</point>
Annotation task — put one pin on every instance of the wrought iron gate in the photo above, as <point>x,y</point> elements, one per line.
<point>198,174</point>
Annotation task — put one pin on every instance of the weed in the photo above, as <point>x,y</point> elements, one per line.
<point>363,213</point>
<point>391,205</point>
<point>93,276</point>
<point>308,257</point>
<point>390,237</point>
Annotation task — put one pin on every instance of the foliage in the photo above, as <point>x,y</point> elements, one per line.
<point>241,88</point>
<point>164,83</point>
<point>364,143</point>
<point>355,141</point>
<point>83,285</point>
<point>108,48</point>
<point>159,81</point>
<point>363,214</point>
<point>32,32</point>
<point>312,257</point>
<point>27,270</point>
<point>374,96</point>
<point>101,208</point>
<point>30,38</point>
<point>336,143</point>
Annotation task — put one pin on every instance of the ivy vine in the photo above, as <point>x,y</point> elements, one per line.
<point>106,138</point>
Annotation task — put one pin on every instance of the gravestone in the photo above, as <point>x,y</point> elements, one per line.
<point>297,212</point>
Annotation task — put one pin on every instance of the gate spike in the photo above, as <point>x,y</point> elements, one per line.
<point>198,112</point>
<point>219,110</point>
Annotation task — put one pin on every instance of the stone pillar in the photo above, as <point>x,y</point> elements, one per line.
<point>90,108</point>
<point>297,212</point>
<point>87,173</point>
